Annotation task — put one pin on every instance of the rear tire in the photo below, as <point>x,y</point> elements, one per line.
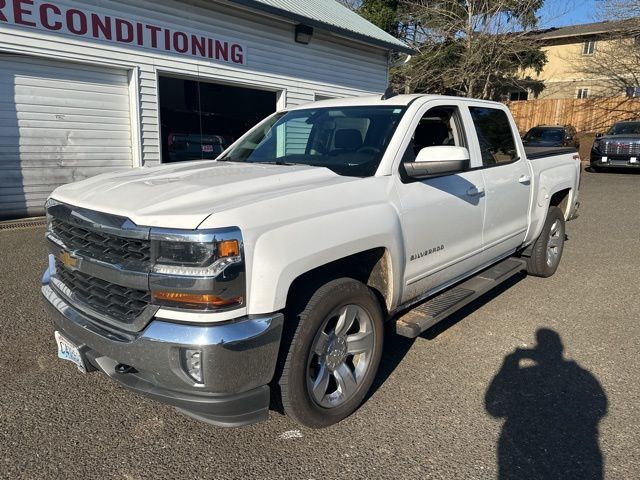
<point>334,354</point>
<point>548,248</point>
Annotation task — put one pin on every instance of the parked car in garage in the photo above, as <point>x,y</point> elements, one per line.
<point>551,136</point>
<point>619,147</point>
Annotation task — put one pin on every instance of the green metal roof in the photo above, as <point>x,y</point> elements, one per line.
<point>328,15</point>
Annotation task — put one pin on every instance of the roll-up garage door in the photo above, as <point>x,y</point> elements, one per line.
<point>59,122</point>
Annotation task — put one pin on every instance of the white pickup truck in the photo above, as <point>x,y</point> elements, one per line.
<point>266,277</point>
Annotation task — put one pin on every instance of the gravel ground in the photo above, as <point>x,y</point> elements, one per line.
<point>429,415</point>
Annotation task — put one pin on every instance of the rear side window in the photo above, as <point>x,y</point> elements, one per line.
<point>494,134</point>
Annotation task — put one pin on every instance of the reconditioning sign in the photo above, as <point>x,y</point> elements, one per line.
<point>55,17</point>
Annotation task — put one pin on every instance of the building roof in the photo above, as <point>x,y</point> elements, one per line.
<point>608,27</point>
<point>328,15</point>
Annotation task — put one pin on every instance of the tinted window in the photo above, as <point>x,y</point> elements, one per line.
<point>494,134</point>
<point>625,128</point>
<point>544,135</point>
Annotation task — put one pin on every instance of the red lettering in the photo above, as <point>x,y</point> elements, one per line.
<point>45,8</point>
<point>167,39</point>
<point>19,11</point>
<point>209,47</point>
<point>222,51</point>
<point>3,4</point>
<point>124,31</point>
<point>237,55</point>
<point>101,26</point>
<point>139,34</point>
<point>178,38</point>
<point>154,35</point>
<point>198,45</point>
<point>72,15</point>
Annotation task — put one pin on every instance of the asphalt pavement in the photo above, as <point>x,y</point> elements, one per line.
<point>478,395</point>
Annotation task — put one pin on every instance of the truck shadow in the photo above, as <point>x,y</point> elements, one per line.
<point>552,408</point>
<point>397,347</point>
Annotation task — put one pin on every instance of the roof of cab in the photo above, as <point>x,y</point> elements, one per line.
<point>377,100</point>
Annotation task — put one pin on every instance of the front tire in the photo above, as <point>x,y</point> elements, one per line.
<point>334,354</point>
<point>548,248</point>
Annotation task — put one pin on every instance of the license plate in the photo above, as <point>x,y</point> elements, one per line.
<point>207,148</point>
<point>68,351</point>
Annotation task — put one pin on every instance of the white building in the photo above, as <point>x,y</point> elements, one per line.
<point>89,86</point>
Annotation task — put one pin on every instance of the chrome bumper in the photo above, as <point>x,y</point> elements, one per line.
<point>238,358</point>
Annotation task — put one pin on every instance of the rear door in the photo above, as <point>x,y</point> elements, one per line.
<point>441,217</point>
<point>507,181</point>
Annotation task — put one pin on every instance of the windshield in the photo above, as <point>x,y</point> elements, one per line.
<point>544,135</point>
<point>348,140</point>
<point>625,128</point>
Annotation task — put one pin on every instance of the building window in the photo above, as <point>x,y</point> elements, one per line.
<point>521,95</point>
<point>589,47</point>
<point>582,93</point>
<point>633,91</point>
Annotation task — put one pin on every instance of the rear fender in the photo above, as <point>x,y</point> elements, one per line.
<point>550,181</point>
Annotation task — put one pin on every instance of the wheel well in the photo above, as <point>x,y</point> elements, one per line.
<point>371,267</point>
<point>561,200</point>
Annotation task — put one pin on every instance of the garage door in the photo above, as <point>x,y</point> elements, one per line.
<point>59,122</point>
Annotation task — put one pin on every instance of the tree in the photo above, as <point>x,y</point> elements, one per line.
<point>619,9</point>
<point>351,4</point>
<point>382,13</point>
<point>474,48</point>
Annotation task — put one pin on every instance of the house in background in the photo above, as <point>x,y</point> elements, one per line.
<point>588,61</point>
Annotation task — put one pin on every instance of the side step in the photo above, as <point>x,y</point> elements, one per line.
<point>430,312</point>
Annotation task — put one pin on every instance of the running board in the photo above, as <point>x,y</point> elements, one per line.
<point>437,308</point>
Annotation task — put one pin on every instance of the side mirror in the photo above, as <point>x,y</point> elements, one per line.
<point>438,160</point>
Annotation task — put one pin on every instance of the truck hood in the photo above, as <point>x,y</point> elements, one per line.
<point>183,195</point>
<point>626,138</point>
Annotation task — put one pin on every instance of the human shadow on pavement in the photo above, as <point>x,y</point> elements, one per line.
<point>551,408</point>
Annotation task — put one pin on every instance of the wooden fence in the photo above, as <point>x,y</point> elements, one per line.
<point>586,115</point>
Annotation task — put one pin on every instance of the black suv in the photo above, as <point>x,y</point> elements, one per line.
<point>619,147</point>
<point>551,136</point>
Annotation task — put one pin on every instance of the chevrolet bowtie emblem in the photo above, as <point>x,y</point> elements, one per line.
<point>66,258</point>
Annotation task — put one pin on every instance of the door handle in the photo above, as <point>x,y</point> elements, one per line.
<point>524,179</point>
<point>475,191</point>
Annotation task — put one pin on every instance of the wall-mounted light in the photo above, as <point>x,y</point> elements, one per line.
<point>303,33</point>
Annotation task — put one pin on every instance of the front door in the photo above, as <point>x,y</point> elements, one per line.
<point>442,218</point>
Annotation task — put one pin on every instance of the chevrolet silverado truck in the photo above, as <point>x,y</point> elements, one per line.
<point>618,148</point>
<point>269,276</point>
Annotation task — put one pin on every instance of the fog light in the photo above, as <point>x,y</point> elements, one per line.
<point>192,364</point>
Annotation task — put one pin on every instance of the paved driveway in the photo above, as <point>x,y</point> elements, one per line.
<point>440,403</point>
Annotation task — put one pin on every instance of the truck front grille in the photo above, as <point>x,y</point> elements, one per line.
<point>621,148</point>
<point>102,246</point>
<point>118,302</point>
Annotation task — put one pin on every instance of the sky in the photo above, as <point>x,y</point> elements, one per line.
<point>559,13</point>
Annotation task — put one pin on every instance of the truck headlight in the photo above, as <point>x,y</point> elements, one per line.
<point>198,269</point>
<point>596,145</point>
<point>205,254</point>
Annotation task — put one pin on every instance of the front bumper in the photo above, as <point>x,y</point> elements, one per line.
<point>238,358</point>
<point>614,161</point>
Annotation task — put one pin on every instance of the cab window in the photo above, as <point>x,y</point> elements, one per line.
<point>497,144</point>
<point>438,126</point>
